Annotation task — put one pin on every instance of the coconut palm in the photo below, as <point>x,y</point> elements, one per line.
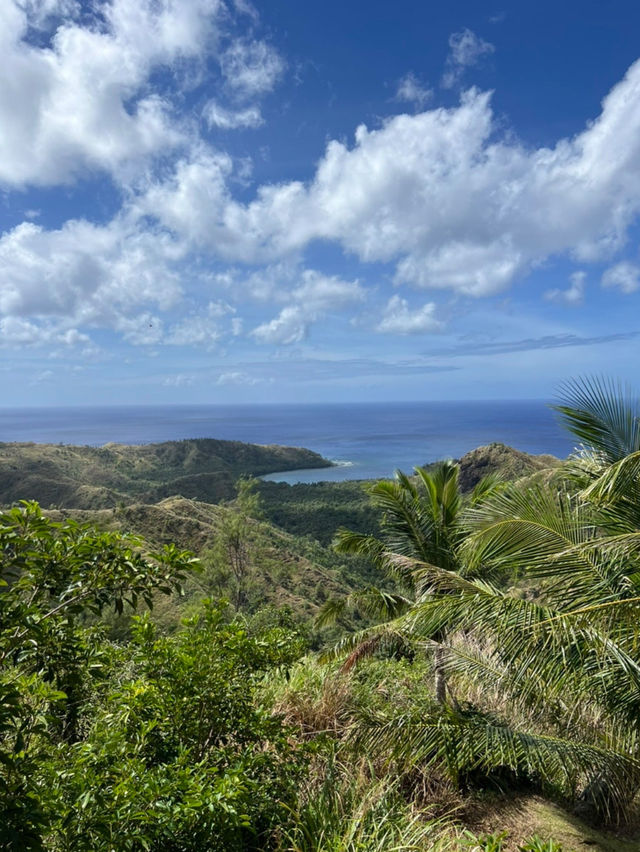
<point>565,659</point>
<point>421,520</point>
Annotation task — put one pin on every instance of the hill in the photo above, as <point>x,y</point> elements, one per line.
<point>178,492</point>
<point>507,462</point>
<point>283,570</point>
<point>102,477</point>
<point>317,509</point>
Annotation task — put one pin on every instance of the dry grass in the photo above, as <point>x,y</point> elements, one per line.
<point>522,817</point>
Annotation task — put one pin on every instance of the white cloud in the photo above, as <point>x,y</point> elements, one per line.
<point>244,7</point>
<point>43,376</point>
<point>226,119</point>
<point>465,50</point>
<point>319,293</point>
<point>84,274</point>
<point>290,326</point>
<point>83,101</point>
<point>202,329</point>
<point>237,377</point>
<point>86,101</point>
<point>437,193</point>
<point>251,68</point>
<point>179,380</point>
<point>411,89</point>
<point>399,318</point>
<point>143,329</point>
<point>192,201</point>
<point>624,275</point>
<point>40,12</point>
<point>573,295</point>
<point>440,195</point>
<point>314,298</point>
<point>16,331</point>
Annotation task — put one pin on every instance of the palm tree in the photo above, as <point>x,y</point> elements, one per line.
<point>421,520</point>
<point>565,659</point>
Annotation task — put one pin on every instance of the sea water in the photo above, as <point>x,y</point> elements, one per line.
<point>366,440</point>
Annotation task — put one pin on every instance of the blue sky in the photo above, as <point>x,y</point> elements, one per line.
<point>207,201</point>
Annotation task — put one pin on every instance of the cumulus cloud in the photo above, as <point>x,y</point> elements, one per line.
<point>316,296</point>
<point>465,50</point>
<point>410,89</point>
<point>83,101</point>
<point>441,196</point>
<point>459,210</point>
<point>399,318</point>
<point>573,295</point>
<point>41,12</point>
<point>290,326</point>
<point>201,329</point>
<point>16,331</point>
<point>86,274</point>
<point>624,276</point>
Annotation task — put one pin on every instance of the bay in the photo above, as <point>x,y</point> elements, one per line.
<point>366,440</point>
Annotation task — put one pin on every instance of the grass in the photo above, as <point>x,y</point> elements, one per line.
<point>523,817</point>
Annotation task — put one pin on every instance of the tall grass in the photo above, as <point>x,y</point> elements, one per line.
<point>342,810</point>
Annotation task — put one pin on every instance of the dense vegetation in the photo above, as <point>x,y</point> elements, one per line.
<point>101,477</point>
<point>483,655</point>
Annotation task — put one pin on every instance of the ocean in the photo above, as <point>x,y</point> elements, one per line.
<point>367,440</point>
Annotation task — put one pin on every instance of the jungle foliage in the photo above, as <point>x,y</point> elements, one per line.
<point>491,652</point>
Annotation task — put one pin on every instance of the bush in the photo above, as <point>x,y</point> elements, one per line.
<point>156,744</point>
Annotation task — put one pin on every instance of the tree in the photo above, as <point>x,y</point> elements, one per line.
<point>421,520</point>
<point>52,575</point>
<point>565,660</point>
<point>231,556</point>
<point>153,744</point>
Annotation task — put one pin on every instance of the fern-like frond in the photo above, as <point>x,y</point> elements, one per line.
<point>604,415</point>
<point>460,743</point>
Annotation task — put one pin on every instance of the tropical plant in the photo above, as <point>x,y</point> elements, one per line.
<point>152,744</point>
<point>345,809</point>
<point>555,674</point>
<point>421,520</point>
<point>52,575</point>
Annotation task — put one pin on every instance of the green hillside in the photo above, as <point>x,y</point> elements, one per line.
<point>428,712</point>
<point>102,477</point>
<point>283,570</point>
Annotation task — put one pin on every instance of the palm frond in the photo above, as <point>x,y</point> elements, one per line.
<point>571,655</point>
<point>380,635</point>
<point>487,486</point>
<point>531,530</point>
<point>460,743</point>
<point>620,482</point>
<point>331,611</point>
<point>604,415</point>
<point>346,541</point>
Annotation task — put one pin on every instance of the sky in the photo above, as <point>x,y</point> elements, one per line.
<point>236,202</point>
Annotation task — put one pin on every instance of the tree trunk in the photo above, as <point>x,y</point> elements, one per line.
<point>440,677</point>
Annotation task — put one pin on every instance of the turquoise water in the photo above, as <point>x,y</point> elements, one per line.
<point>367,440</point>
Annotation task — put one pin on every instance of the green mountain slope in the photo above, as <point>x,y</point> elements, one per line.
<point>101,477</point>
<point>283,570</point>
